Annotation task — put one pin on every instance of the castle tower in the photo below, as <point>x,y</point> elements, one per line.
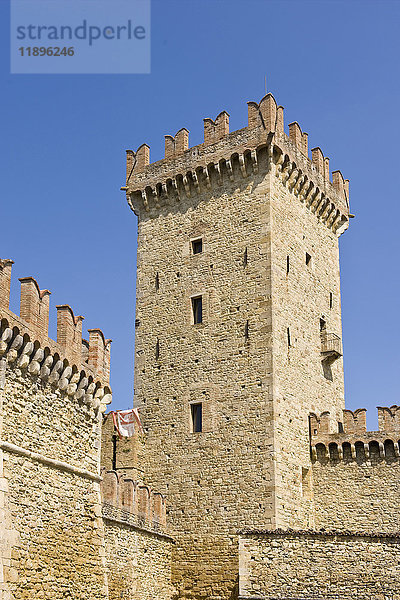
<point>238,331</point>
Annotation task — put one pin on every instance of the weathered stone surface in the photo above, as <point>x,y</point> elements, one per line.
<point>138,560</point>
<point>54,542</point>
<point>260,206</point>
<point>312,565</point>
<point>360,495</point>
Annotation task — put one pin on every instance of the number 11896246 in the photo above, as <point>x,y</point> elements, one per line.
<point>46,51</point>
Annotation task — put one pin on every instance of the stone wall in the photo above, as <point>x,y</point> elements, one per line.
<point>138,559</point>
<point>50,447</point>
<point>323,566</point>
<point>54,542</point>
<point>253,198</point>
<point>305,290</point>
<point>356,473</point>
<point>51,398</point>
<point>357,494</point>
<point>206,476</point>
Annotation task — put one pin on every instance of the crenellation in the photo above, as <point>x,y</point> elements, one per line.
<point>326,168</point>
<point>216,130</point>
<point>183,173</point>
<point>338,181</point>
<point>305,143</point>
<point>5,282</point>
<point>178,144</point>
<point>355,421</point>
<point>297,137</point>
<point>69,332</point>
<point>141,158</point>
<point>347,190</point>
<point>43,355</point>
<point>263,115</point>
<point>389,419</point>
<point>280,121</point>
<point>99,353</point>
<point>318,160</point>
<point>35,361</point>
<point>134,497</point>
<point>351,440</point>
<point>35,305</point>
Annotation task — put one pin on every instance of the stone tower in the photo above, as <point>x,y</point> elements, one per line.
<point>238,331</point>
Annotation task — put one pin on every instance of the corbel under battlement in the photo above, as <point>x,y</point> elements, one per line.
<point>224,156</point>
<point>78,367</point>
<point>349,439</point>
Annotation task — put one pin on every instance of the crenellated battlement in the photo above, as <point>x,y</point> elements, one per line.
<point>350,439</point>
<point>80,368</point>
<point>145,506</point>
<point>261,146</point>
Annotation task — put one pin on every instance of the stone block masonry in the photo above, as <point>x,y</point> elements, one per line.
<point>355,472</point>
<point>247,225</point>
<point>272,489</point>
<point>52,395</point>
<point>67,530</point>
<point>307,565</point>
<point>138,558</point>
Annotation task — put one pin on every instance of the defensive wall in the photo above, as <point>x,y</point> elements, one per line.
<point>52,394</point>
<point>318,565</point>
<point>58,538</point>
<point>356,473</point>
<point>353,550</point>
<point>138,549</point>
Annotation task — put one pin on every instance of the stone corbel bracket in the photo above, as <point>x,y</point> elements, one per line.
<point>237,157</point>
<point>32,360</point>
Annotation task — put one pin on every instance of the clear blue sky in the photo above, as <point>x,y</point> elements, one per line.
<point>333,65</point>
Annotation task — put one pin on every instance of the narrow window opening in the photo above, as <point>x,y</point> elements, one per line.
<point>197,246</point>
<point>197,417</point>
<point>287,265</point>
<point>305,482</point>
<point>114,452</point>
<point>245,257</point>
<point>308,259</point>
<point>197,308</point>
<point>340,427</point>
<point>158,349</point>
<point>157,281</point>
<point>330,300</point>
<point>246,331</point>
<point>289,342</point>
<point>322,325</point>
